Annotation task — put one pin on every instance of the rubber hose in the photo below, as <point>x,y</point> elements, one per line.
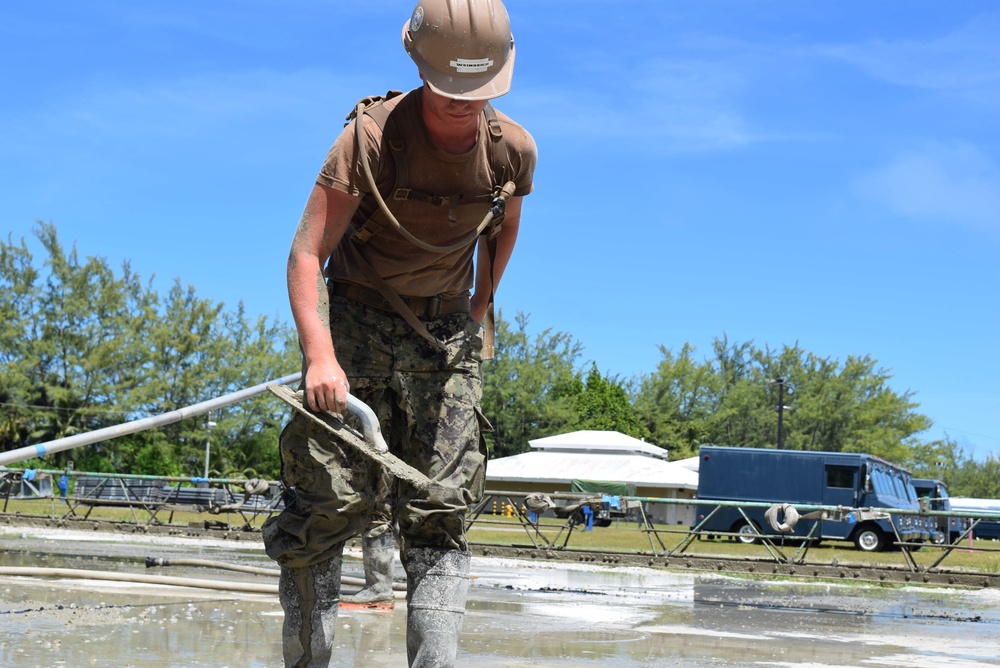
<point>248,587</point>
<point>790,517</point>
<point>207,563</point>
<point>195,583</point>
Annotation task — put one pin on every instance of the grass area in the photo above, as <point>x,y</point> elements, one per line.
<point>982,556</point>
<point>58,509</point>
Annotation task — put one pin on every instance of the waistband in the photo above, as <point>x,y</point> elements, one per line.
<point>423,307</point>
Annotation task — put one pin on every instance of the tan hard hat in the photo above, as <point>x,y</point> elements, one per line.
<point>463,48</point>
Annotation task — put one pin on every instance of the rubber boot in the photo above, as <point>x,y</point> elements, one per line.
<point>310,598</point>
<point>377,554</point>
<point>437,586</point>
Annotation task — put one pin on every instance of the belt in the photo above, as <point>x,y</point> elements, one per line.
<point>423,307</point>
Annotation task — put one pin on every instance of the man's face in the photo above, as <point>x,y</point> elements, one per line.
<point>456,114</point>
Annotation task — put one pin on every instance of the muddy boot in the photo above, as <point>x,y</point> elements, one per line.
<point>310,598</point>
<point>377,556</point>
<point>437,586</point>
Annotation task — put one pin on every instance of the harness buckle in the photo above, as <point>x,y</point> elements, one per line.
<point>499,206</point>
<point>434,306</point>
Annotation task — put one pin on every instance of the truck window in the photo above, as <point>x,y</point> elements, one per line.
<point>881,483</point>
<point>840,477</point>
<point>903,490</point>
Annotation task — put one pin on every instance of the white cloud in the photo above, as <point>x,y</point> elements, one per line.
<point>965,62</point>
<point>954,182</point>
<point>108,118</point>
<point>683,104</point>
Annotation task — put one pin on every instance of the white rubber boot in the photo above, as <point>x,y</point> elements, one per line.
<point>310,598</point>
<point>377,554</point>
<point>437,586</point>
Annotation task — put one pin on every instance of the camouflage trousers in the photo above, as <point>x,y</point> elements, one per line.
<point>427,401</point>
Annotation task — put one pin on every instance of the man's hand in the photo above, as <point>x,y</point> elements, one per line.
<point>326,387</point>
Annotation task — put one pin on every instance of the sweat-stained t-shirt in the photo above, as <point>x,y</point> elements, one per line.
<point>410,270</point>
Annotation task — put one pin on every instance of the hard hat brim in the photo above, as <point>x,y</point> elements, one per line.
<point>464,87</point>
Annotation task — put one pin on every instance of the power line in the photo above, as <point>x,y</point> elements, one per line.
<point>968,433</point>
<point>70,410</point>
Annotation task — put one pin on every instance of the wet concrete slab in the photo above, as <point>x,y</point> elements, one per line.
<point>520,613</point>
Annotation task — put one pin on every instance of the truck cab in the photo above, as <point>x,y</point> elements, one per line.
<point>936,494</point>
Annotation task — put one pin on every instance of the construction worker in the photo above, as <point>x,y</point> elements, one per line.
<point>404,216</point>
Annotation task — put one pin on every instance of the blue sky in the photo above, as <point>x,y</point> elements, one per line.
<point>822,173</point>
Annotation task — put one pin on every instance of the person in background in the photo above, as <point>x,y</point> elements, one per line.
<point>377,551</point>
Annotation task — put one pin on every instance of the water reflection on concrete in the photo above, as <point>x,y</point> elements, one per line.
<point>519,614</point>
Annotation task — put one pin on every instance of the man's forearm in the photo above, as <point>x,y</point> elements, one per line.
<point>489,273</point>
<point>310,307</point>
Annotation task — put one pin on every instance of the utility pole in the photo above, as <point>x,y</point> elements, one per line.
<point>208,441</point>
<point>781,407</point>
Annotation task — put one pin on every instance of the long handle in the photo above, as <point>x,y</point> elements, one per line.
<point>70,442</point>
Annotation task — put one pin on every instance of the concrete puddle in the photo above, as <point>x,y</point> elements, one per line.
<point>520,613</point>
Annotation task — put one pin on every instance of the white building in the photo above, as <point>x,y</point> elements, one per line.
<point>556,462</point>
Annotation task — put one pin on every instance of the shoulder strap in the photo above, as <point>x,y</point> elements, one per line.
<point>372,105</point>
<point>498,158</point>
<point>371,221</point>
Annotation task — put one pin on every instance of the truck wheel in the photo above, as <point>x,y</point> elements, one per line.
<point>747,533</point>
<point>869,539</point>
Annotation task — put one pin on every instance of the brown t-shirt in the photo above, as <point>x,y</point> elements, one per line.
<point>410,270</point>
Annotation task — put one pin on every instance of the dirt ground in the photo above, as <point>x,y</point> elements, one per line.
<point>519,613</point>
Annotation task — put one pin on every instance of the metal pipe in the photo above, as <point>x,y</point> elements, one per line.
<point>89,438</point>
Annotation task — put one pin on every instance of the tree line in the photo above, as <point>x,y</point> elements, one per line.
<point>83,346</point>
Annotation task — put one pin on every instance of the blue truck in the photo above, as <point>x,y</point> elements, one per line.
<point>802,477</point>
<point>936,493</point>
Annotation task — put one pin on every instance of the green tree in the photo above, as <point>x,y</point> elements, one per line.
<point>604,405</point>
<point>978,479</point>
<point>84,347</point>
<point>18,307</point>
<point>529,386</point>
<point>256,351</point>
<point>73,368</point>
<point>850,407</point>
<point>938,460</point>
<point>675,402</point>
<point>732,399</point>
